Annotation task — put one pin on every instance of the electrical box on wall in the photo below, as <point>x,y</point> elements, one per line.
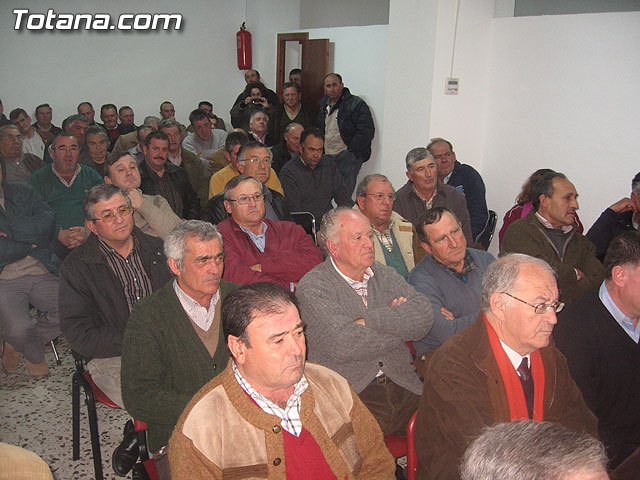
<point>452,85</point>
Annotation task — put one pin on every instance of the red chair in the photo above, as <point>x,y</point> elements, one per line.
<point>412,460</point>
<point>92,394</point>
<point>146,463</point>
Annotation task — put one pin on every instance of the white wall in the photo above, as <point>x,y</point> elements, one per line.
<point>563,94</point>
<point>330,13</point>
<point>140,68</point>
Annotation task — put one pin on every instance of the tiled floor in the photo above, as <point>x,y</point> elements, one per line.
<point>35,413</point>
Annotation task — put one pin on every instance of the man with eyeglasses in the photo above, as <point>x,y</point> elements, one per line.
<point>464,178</point>
<point>451,278</point>
<point>103,279</point>
<point>258,249</point>
<point>63,185</point>
<point>396,242</point>
<point>549,232</point>
<point>499,369</point>
<point>17,166</point>
<point>254,160</point>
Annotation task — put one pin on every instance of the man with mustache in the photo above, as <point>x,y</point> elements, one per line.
<point>176,334</point>
<point>548,232</point>
<point>270,415</point>
<point>500,369</point>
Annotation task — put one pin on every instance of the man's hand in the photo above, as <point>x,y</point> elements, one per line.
<point>2,234</point>
<point>623,205</point>
<point>136,198</point>
<point>360,321</point>
<point>257,267</point>
<point>447,314</point>
<point>397,301</point>
<point>72,237</point>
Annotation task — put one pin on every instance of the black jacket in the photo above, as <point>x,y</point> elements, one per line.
<point>215,211</point>
<point>180,181</point>
<point>608,226</point>
<point>354,121</point>
<point>93,308</point>
<point>280,156</point>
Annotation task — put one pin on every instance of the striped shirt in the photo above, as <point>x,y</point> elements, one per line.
<point>130,271</point>
<point>359,287</point>
<point>384,236</point>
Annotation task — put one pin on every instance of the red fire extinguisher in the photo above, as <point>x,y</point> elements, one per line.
<point>243,40</point>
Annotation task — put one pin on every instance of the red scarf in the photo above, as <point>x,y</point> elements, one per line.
<point>512,385</point>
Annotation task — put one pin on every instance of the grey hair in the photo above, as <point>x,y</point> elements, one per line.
<point>235,181</point>
<point>168,123</point>
<point>9,126</point>
<point>96,130</point>
<point>415,155</point>
<point>502,275</point>
<point>258,111</point>
<point>71,119</point>
<point>364,183</point>
<point>288,128</point>
<point>249,146</point>
<point>151,120</point>
<point>100,193</point>
<point>175,243</point>
<point>330,226</point>
<point>530,450</point>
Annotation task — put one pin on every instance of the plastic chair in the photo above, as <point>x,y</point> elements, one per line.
<point>412,460</point>
<point>92,394</point>
<point>146,468</point>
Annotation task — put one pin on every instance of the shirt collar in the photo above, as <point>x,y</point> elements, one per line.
<point>70,182</point>
<point>547,224</point>
<point>368,273</point>
<point>514,357</point>
<point>625,322</point>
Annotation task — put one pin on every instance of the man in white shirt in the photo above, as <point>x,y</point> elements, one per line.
<point>203,141</point>
<point>33,141</point>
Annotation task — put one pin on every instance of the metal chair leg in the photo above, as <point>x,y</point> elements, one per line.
<point>95,436</point>
<point>55,353</point>
<point>75,414</point>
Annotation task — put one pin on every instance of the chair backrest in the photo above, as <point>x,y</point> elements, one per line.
<point>307,221</point>
<point>484,239</point>
<point>412,460</point>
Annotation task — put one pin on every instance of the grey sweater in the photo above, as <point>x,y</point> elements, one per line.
<point>330,306</point>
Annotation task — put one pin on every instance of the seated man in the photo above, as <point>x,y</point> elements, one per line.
<point>97,142</point>
<point>450,276</point>
<point>254,160</point>
<point>77,126</point>
<point>102,280</point>
<point>131,140</point>
<point>270,415</point>
<point>359,315</point>
<point>136,151</point>
<point>620,217</point>
<point>44,115</point>
<point>183,316</point>
<point>311,180</point>
<point>109,117</point>
<point>88,113</point>
<point>288,148</point>
<point>216,122</point>
<point>526,449</point>
<point>152,214</point>
<point>258,249</point>
<point>27,268</point>
<point>500,369</point>
<point>599,336</point>
<point>167,111</point>
<point>17,167</point>
<point>160,177</point>
<point>396,242</point>
<point>258,128</point>
<point>466,179</point>
<point>33,141</point>
<point>63,185</point>
<point>178,155</point>
<point>127,122</point>
<point>548,232</point>
<point>423,191</point>
<point>204,141</point>
<point>220,178</point>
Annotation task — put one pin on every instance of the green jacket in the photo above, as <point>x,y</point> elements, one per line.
<point>164,362</point>
<point>527,235</point>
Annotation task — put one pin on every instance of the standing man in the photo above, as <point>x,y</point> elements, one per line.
<point>500,369</point>
<point>291,111</point>
<point>160,177</point>
<point>548,232</point>
<point>599,336</point>
<point>396,242</point>
<point>450,276</point>
<point>183,316</point>
<point>44,114</point>
<point>17,167</point>
<point>359,316</point>
<point>63,185</point>
<point>33,141</point>
<point>254,76</point>
<point>102,281</point>
<point>466,179</point>
<point>345,121</point>
<point>423,191</point>
<point>27,276</point>
<point>292,419</point>
<point>311,180</point>
<point>152,214</point>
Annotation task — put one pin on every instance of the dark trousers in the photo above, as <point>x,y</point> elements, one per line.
<point>349,166</point>
<point>390,404</point>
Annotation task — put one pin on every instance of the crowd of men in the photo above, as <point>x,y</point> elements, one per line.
<point>167,257</point>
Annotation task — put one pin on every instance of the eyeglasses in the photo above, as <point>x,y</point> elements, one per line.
<point>13,137</point>
<point>244,199</point>
<point>254,160</point>
<point>381,196</point>
<point>65,149</point>
<point>444,155</point>
<point>540,308</point>
<point>111,216</point>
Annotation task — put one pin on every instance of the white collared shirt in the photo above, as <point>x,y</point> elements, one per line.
<point>625,322</point>
<point>201,316</point>
<point>514,357</point>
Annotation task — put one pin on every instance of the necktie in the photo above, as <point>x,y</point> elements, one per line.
<point>527,384</point>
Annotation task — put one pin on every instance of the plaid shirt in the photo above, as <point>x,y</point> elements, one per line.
<point>385,236</point>
<point>359,287</point>
<point>290,415</point>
